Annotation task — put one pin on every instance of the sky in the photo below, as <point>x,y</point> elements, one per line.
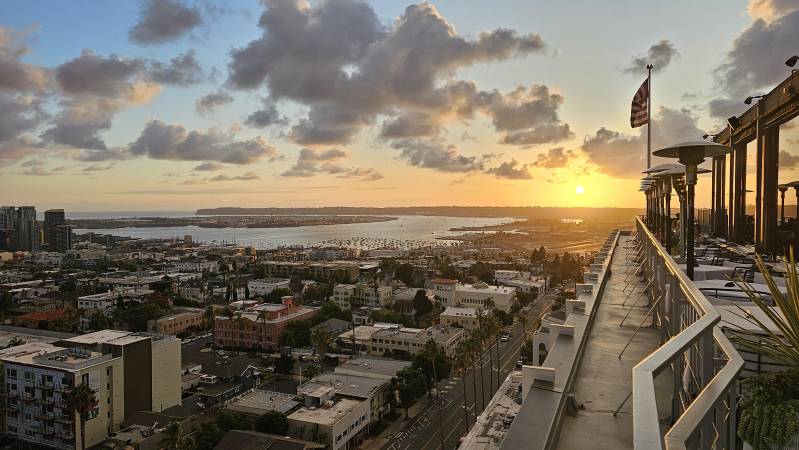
<point>182,104</point>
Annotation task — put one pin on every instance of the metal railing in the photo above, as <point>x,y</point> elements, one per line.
<point>704,364</point>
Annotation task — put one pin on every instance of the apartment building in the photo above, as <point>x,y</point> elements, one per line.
<point>105,302</point>
<point>196,266</point>
<point>375,391</point>
<point>410,341</point>
<point>150,364</point>
<point>340,422</point>
<point>444,289</point>
<point>475,295</point>
<point>256,332</point>
<point>339,270</point>
<point>265,286</point>
<point>39,375</point>
<point>176,323</point>
<point>361,294</point>
<point>468,318</point>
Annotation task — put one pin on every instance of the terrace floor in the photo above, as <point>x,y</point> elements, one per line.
<point>604,380</point>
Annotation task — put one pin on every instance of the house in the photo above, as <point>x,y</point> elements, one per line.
<point>253,440</point>
<point>40,319</point>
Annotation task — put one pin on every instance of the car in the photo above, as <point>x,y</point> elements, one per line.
<point>519,364</point>
<point>504,338</point>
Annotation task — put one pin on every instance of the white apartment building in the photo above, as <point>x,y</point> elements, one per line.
<point>388,340</point>
<point>528,286</point>
<point>361,294</point>
<point>340,422</point>
<point>475,295</point>
<point>196,266</point>
<point>444,289</point>
<point>465,317</point>
<point>38,376</point>
<point>105,302</point>
<point>501,276</point>
<point>265,286</point>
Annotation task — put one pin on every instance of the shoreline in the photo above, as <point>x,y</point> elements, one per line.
<point>211,222</point>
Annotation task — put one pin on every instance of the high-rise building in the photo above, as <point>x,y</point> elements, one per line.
<point>38,377</point>
<point>61,239</point>
<point>53,218</point>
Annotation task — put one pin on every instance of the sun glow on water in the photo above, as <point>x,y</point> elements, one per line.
<point>579,190</point>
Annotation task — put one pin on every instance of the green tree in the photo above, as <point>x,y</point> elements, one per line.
<point>276,295</point>
<point>409,383</point>
<point>227,421</point>
<point>273,422</point>
<point>321,339</point>
<point>67,287</point>
<point>297,334</point>
<point>81,401</point>
<point>423,361</point>
<point>310,371</point>
<point>136,316</point>
<point>284,365</point>
<point>207,436</point>
<point>98,321</point>
<point>421,303</point>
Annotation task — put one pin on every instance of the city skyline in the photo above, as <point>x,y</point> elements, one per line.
<point>526,104</point>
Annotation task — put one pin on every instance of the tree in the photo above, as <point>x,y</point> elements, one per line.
<point>321,339</point>
<point>284,365</point>
<point>227,421</point>
<point>462,363</point>
<point>67,287</point>
<point>421,303</point>
<point>176,437</point>
<point>409,383</point>
<point>297,334</point>
<point>263,316</point>
<point>277,294</point>
<point>273,422</point>
<point>310,371</point>
<point>81,400</point>
<point>136,316</point>
<point>504,318</point>
<point>98,321</point>
<point>423,361</point>
<point>207,436</point>
<point>209,316</point>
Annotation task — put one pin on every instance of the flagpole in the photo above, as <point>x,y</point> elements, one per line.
<point>649,117</point>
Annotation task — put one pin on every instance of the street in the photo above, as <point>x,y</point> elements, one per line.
<point>423,431</point>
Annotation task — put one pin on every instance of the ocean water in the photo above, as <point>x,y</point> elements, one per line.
<point>405,232</point>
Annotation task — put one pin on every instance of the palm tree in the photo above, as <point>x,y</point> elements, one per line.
<point>209,315</point>
<point>238,322</point>
<point>321,338</point>
<point>80,400</point>
<point>477,351</point>
<point>494,330</point>
<point>462,363</point>
<point>263,316</point>
<point>522,315</point>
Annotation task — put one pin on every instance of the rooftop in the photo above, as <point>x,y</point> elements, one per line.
<point>346,385</point>
<point>369,366</point>
<point>326,416</point>
<point>257,402</point>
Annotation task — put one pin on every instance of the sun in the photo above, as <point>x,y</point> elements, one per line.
<point>579,190</point>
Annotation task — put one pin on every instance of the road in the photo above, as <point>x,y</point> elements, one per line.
<point>423,432</point>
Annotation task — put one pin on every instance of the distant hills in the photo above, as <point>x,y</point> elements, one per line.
<point>531,212</point>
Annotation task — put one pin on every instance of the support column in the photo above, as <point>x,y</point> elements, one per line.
<point>714,192</point>
<point>760,164</point>
<point>740,192</point>
<point>771,150</point>
<point>731,199</point>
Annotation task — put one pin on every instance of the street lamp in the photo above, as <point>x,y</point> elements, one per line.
<point>792,61</point>
<point>749,99</point>
<point>705,136</point>
<point>691,154</point>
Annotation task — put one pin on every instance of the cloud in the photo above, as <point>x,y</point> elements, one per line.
<point>97,168</point>
<point>660,55</point>
<point>159,140</point>
<point>245,177</point>
<point>19,114</point>
<point>164,21</point>
<point>554,158</point>
<point>95,88</point>
<point>312,162</point>
<point>621,155</point>
<point>754,63</point>
<point>511,170</point>
<point>265,117</point>
<point>210,102</point>
<point>340,61</point>
<point>770,9</point>
<point>182,70</point>
<point>788,161</point>
<point>432,154</point>
<point>209,167</point>
<point>15,76</point>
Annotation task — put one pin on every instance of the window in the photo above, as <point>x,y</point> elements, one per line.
<point>12,373</point>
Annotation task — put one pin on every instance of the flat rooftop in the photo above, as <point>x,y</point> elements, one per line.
<point>326,416</point>
<point>371,366</point>
<point>258,402</point>
<point>346,385</point>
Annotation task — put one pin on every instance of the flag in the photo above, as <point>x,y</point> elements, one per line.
<point>639,112</point>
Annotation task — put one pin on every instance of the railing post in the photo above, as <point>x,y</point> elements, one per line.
<point>707,349</point>
<point>732,421</point>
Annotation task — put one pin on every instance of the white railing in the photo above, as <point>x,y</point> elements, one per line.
<point>704,365</point>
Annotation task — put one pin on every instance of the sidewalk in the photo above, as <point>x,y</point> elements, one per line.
<point>392,428</point>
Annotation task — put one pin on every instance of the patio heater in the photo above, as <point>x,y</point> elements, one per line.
<point>646,187</point>
<point>674,176</point>
<point>782,188</point>
<point>663,192</point>
<point>653,200</point>
<point>691,154</point>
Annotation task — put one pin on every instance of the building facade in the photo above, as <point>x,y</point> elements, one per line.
<point>259,327</point>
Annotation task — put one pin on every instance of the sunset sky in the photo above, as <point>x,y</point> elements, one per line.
<point>180,104</point>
